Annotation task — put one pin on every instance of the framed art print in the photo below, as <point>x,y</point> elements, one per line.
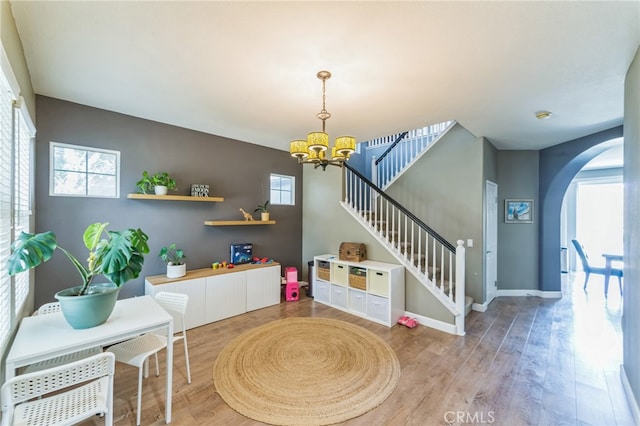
<point>518,211</point>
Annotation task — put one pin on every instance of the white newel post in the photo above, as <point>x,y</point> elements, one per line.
<point>460,287</point>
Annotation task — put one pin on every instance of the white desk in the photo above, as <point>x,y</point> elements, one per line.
<point>42,337</point>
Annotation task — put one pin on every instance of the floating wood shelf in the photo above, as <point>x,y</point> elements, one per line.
<point>238,222</point>
<point>175,198</point>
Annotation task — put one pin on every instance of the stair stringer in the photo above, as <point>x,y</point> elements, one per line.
<point>422,278</point>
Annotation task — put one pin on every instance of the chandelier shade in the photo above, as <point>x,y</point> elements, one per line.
<point>312,151</point>
<point>317,141</point>
<point>298,149</point>
<point>345,145</point>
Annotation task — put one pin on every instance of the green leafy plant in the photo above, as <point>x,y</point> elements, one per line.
<point>172,255</point>
<point>118,255</point>
<point>262,207</point>
<point>148,182</point>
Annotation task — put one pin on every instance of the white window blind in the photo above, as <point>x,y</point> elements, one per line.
<point>22,196</point>
<point>6,207</point>
<point>16,154</point>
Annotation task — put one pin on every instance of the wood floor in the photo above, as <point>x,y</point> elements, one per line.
<point>525,361</point>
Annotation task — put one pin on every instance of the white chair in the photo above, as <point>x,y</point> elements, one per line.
<point>50,308</point>
<point>26,399</point>
<point>136,352</point>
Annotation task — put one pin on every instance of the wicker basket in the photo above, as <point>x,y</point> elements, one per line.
<point>323,274</point>
<point>324,270</point>
<point>358,278</point>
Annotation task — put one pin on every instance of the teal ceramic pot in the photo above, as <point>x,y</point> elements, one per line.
<point>90,310</point>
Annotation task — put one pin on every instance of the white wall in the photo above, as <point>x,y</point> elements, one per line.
<point>631,317</point>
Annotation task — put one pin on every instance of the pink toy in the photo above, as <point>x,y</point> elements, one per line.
<point>290,274</point>
<point>292,292</point>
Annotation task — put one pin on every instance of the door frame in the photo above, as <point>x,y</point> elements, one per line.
<point>490,240</point>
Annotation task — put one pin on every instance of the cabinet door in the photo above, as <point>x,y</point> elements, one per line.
<point>195,289</point>
<point>263,287</point>
<point>378,308</point>
<point>358,301</point>
<point>321,291</point>
<point>226,296</point>
<point>338,296</point>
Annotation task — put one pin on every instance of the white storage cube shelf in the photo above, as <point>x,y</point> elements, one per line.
<point>382,300</point>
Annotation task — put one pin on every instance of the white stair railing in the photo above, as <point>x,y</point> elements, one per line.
<point>437,264</point>
<point>403,151</point>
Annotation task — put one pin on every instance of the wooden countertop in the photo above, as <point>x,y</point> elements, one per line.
<point>207,272</point>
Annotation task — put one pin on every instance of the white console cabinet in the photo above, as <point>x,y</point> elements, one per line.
<point>216,294</point>
<point>369,289</point>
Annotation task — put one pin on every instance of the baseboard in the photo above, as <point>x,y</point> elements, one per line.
<point>433,323</point>
<point>628,392</point>
<point>479,307</point>
<point>537,293</point>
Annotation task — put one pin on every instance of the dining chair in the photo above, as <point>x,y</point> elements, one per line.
<point>63,395</point>
<point>589,269</point>
<point>137,351</point>
<point>50,308</point>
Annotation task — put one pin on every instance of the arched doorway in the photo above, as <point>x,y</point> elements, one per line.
<point>558,166</point>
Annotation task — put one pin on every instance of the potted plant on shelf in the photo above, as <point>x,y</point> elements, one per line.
<point>118,255</point>
<point>264,213</point>
<point>159,183</point>
<point>173,256</point>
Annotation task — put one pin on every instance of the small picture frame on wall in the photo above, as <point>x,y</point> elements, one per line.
<point>518,211</point>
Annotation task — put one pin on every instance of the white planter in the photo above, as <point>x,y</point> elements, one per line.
<point>176,271</point>
<point>160,190</point>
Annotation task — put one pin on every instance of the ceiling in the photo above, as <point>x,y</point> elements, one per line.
<point>247,70</point>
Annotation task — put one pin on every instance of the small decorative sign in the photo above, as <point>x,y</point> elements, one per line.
<point>199,190</point>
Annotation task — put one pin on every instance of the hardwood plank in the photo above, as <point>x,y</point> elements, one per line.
<point>523,362</point>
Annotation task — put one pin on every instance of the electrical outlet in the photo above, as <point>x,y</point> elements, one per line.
<point>469,242</point>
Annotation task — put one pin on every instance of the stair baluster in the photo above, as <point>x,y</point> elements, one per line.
<point>440,269</point>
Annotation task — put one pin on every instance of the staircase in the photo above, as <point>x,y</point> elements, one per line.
<point>391,155</point>
<point>437,264</point>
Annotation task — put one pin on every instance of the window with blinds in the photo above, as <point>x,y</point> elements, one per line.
<point>16,154</point>
<point>6,207</point>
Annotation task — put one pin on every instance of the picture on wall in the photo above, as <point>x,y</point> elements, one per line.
<point>518,211</point>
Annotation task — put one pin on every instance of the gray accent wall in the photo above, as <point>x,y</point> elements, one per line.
<point>235,170</point>
<point>631,317</point>
<point>517,242</point>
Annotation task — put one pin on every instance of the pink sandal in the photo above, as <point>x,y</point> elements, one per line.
<point>403,320</point>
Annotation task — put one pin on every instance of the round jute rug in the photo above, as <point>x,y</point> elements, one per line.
<point>306,371</point>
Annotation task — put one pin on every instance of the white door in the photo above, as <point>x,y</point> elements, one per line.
<point>490,241</point>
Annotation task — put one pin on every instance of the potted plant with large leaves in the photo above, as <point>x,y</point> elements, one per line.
<point>172,256</point>
<point>117,255</point>
<point>159,183</point>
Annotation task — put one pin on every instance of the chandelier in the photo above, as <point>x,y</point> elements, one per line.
<point>314,149</point>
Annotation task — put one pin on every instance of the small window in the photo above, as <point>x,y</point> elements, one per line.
<point>79,171</point>
<point>283,190</point>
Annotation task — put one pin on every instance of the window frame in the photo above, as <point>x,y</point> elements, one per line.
<point>292,180</point>
<point>87,149</point>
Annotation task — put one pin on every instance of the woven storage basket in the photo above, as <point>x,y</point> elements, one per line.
<point>358,281</point>
<point>358,278</point>
<point>323,274</point>
<point>324,271</point>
